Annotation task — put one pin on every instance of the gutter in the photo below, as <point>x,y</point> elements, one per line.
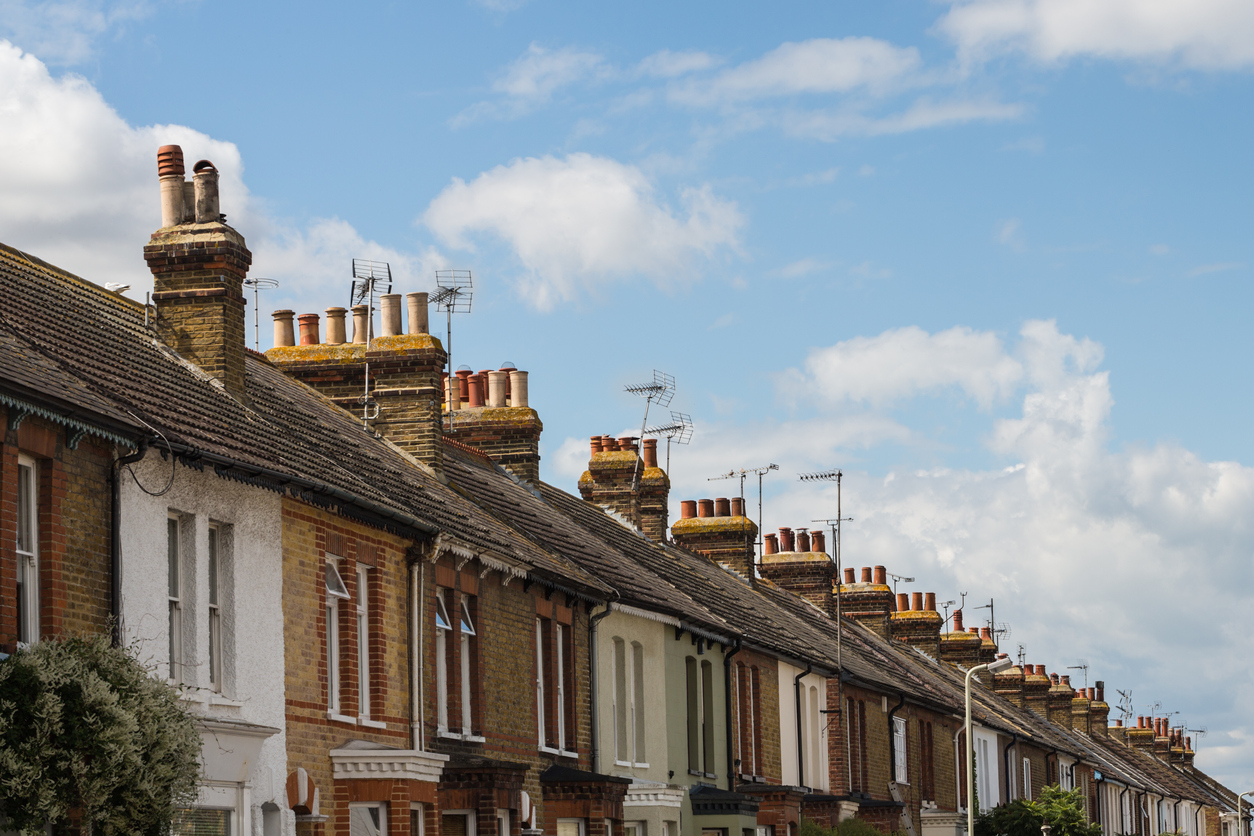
<point>592,678</point>
<point>727,716</point>
<point>796,691</point>
<point>115,546</point>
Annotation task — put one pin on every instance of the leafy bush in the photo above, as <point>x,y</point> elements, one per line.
<point>85,729</point>
<point>848,827</point>
<point>1063,810</point>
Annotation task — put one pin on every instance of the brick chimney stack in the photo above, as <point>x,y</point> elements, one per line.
<point>958,646</point>
<point>918,625</point>
<point>1142,737</point>
<point>800,564</point>
<point>1162,743</point>
<point>870,601</point>
<point>1081,717</point>
<point>1009,684</point>
<point>198,264</point>
<point>1036,689</point>
<point>1059,700</point>
<point>719,530</point>
<point>404,372</point>
<point>1100,710</point>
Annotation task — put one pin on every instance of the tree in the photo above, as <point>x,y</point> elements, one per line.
<point>1061,809</point>
<point>87,732</point>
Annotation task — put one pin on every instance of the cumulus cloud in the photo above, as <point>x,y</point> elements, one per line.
<point>576,223</point>
<point>80,191</point>
<point>905,362</point>
<point>829,125</point>
<point>667,64</point>
<point>1202,34</point>
<point>820,65</point>
<point>532,79</point>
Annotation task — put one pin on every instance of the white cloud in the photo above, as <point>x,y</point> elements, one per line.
<point>1010,233</point>
<point>820,65</point>
<point>905,362</point>
<point>1222,267</point>
<point>667,64</point>
<point>532,79</point>
<point>581,221</point>
<point>1203,34</point>
<point>1159,249</point>
<point>64,32</point>
<point>829,125</point>
<point>80,191</point>
<point>801,267</point>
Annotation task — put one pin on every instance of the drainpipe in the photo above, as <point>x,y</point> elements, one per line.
<point>415,657</point>
<point>1005,759</point>
<point>592,678</point>
<point>958,771</point>
<point>1197,830</point>
<point>796,692</point>
<point>115,558</point>
<point>727,712</point>
<point>892,737</point>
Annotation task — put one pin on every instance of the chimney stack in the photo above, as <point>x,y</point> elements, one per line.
<point>1059,700</point>
<point>198,273</point>
<point>918,625</point>
<point>1081,716</point>
<point>721,535</point>
<point>1099,709</point>
<point>493,416</point>
<point>1009,684</point>
<point>870,601</point>
<point>958,646</point>
<point>1036,690</point>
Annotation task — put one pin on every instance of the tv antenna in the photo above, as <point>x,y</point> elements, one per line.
<point>455,290</point>
<point>369,278</point>
<point>945,606</point>
<point>1125,705</point>
<point>258,284</point>
<point>1083,666</point>
<point>1200,733</point>
<point>679,430</point>
<point>741,474</point>
<point>1023,655</point>
<point>836,523</point>
<point>659,392</point>
<point>901,578</point>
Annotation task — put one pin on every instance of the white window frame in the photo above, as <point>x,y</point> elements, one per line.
<point>28,552</point>
<point>363,641</point>
<point>639,749</point>
<point>541,731</point>
<point>215,606</point>
<point>581,824</point>
<point>421,810</point>
<point>502,821</point>
<point>174,593</point>
<point>619,701</point>
<point>901,772</point>
<point>471,816</point>
<point>560,676</point>
<point>336,592</point>
<point>443,626</point>
<point>636,828</point>
<point>467,633</point>
<point>1027,779</point>
<point>381,806</point>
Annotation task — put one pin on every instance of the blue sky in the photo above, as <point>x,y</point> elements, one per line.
<point>992,258</point>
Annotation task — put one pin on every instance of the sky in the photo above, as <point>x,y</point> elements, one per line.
<point>990,258</point>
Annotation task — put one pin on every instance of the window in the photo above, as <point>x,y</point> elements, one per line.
<point>336,592</point>
<point>443,626</point>
<point>749,710</point>
<point>27,551</point>
<point>174,585</point>
<point>900,775</point>
<point>694,716</point>
<point>465,650</point>
<point>367,819</point>
<point>570,827</point>
<point>628,699</point>
<point>417,819</point>
<point>814,741</point>
<point>199,821</point>
<point>457,823</point>
<point>554,683</point>
<point>215,609</point>
<point>637,704</point>
<point>1027,779</point>
<point>502,822</point>
<point>635,828</point>
<point>927,762</point>
<point>700,717</point>
<point>559,681</point>
<point>987,799</point>
<point>542,704</point>
<point>363,641</point>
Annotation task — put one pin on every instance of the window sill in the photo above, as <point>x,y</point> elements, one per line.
<point>467,738</point>
<point>218,699</point>
<point>561,753</point>
<point>696,774</point>
<point>341,718</point>
<point>371,724</point>
<point>631,765</point>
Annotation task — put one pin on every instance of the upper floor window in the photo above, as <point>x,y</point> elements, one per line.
<point>927,762</point>
<point>174,591</point>
<point>27,551</point>
<point>900,774</point>
<point>443,626</point>
<point>456,661</point>
<point>1027,779</point>
<point>363,641</point>
<point>466,642</point>
<point>215,607</point>
<point>700,688</point>
<point>554,683</point>
<point>749,710</point>
<point>336,592</point>
<point>628,702</point>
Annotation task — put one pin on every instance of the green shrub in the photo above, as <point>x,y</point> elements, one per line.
<point>1063,810</point>
<point>84,728</point>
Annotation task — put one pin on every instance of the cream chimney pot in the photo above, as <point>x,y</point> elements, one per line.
<point>418,321</point>
<point>284,333</point>
<point>390,314</point>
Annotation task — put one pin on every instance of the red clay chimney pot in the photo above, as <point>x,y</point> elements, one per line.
<point>929,601</point>
<point>785,540</point>
<point>957,621</point>
<point>866,574</point>
<point>771,545</point>
<point>169,160</point>
<point>881,576</point>
<point>705,507</point>
<point>849,575</point>
<point>722,507</point>
<point>803,540</point>
<point>308,328</point>
<point>738,506</point>
<point>688,509</point>
<point>917,602</point>
<point>903,601</point>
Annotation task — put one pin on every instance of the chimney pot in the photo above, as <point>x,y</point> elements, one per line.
<point>496,389</point>
<point>688,509</point>
<point>1090,692</point>
<point>770,545</point>
<point>1118,724</point>
<point>738,506</point>
<point>596,444</point>
<point>649,452</point>
<point>1188,743</point>
<point>1140,722</point>
<point>986,633</point>
<point>284,335</point>
<point>476,391</point>
<point>929,601</point>
<point>957,621</point>
<point>170,172</point>
<point>722,507</point>
<point>917,599</point>
<point>785,540</point>
<point>819,541</point>
<point>626,443</point>
<point>975,630</point>
<point>903,601</point>
<point>418,319</point>
<point>335,325</point>
<point>1101,692</point>
<point>170,161</point>
<point>803,540</point>
<point>452,392</point>
<point>205,184</point>
<point>518,388</point>
<point>308,328</point>
<point>361,315</point>
<point>866,574</point>
<point>1053,678</point>
<point>463,387</point>
<point>390,315</point>
<point>849,575</point>
<point>705,507</point>
<point>881,576</point>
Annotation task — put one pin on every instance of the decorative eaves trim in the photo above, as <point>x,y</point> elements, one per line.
<point>395,764</point>
<point>651,616</point>
<point>79,428</point>
<point>643,795</point>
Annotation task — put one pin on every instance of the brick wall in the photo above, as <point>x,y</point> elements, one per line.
<point>74,536</point>
<point>765,742</point>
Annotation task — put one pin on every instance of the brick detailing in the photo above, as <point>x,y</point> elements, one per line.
<point>484,786</point>
<point>198,272</point>
<point>757,743</point>
<point>869,602</point>
<point>1058,700</point>
<point>584,798</point>
<point>780,807</point>
<point>1081,719</point>
<point>509,435</point>
<point>404,382</point>
<point>1100,711</point>
<point>74,539</point>
<point>726,540</point>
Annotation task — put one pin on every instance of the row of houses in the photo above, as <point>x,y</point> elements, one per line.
<point>386,622</point>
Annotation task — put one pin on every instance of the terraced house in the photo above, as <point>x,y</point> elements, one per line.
<point>386,621</point>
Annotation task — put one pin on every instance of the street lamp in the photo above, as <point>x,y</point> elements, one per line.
<point>996,666</point>
<point>1240,815</point>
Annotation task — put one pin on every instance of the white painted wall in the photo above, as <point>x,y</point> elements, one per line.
<point>251,557</point>
<point>988,782</point>
<point>813,728</point>
<point>650,635</point>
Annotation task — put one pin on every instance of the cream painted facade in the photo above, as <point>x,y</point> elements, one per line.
<point>803,703</point>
